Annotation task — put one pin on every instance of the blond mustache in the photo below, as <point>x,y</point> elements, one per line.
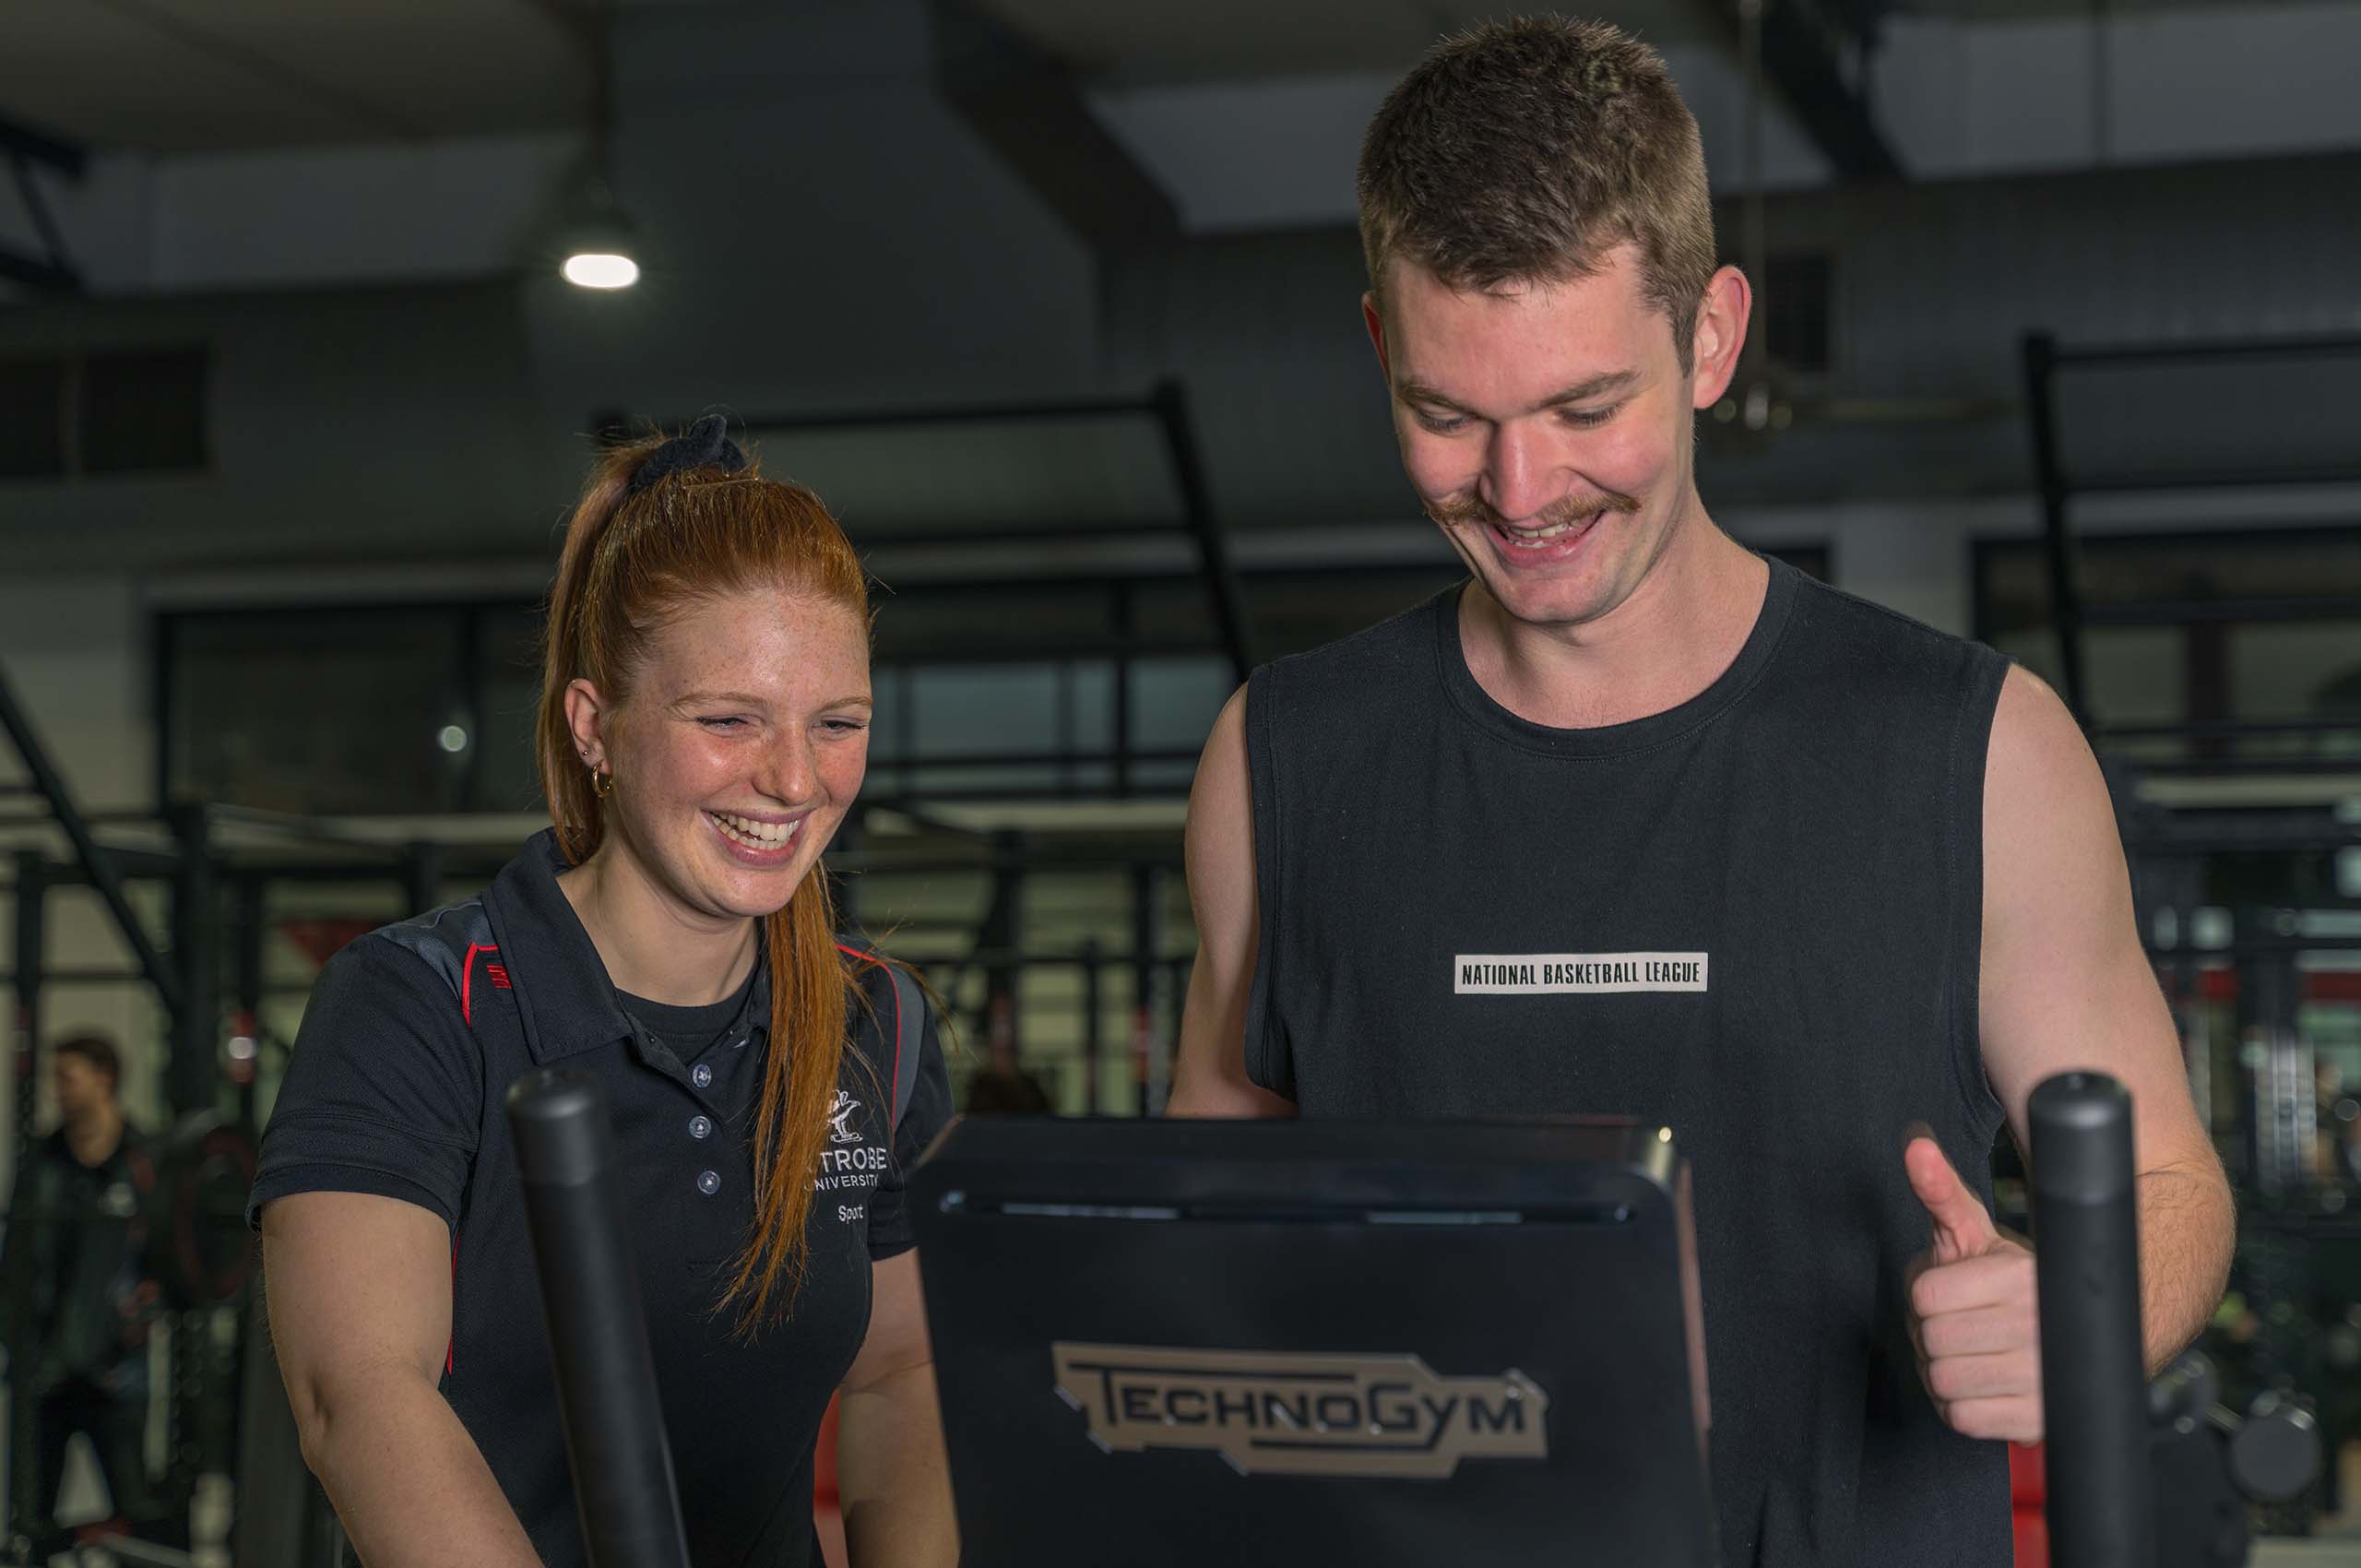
<point>1451,513</point>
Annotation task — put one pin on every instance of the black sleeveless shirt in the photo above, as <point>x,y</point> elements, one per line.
<point>1755,916</point>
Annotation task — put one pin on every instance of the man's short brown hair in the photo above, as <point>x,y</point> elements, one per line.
<point>1522,152</point>
<point>95,1048</point>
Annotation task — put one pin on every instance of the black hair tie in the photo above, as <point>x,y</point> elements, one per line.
<point>705,445</point>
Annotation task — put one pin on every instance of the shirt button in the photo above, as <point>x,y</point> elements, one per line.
<point>710,1183</point>
<point>699,1126</point>
<point>702,1077</point>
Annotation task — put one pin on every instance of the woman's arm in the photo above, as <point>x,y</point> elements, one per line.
<point>359,1292</point>
<point>891,1479</point>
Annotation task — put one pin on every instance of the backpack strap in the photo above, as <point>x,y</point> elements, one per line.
<point>909,1029</point>
<point>902,1032</point>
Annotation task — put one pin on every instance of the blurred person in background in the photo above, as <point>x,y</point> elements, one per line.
<point>81,1300</point>
<point>1006,1091</point>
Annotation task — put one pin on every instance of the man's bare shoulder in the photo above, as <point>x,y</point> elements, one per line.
<point>2039,775</point>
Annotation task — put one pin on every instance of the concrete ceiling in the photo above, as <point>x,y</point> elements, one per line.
<point>187,75</point>
<point>182,75</point>
<point>1117,43</point>
<point>1171,41</point>
<point>2067,10</point>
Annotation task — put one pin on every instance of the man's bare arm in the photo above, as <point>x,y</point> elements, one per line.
<point>1209,1075</point>
<point>358,1295</point>
<point>2067,985</point>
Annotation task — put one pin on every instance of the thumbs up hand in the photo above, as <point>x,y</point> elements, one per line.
<point>1973,1316</point>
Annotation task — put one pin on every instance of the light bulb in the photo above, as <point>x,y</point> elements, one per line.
<point>600,270</point>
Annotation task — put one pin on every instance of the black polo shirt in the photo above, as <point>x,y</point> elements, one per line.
<point>412,1037</point>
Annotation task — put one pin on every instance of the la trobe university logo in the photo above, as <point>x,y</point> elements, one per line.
<point>850,1160</point>
<point>840,1127</point>
<point>1280,1413</point>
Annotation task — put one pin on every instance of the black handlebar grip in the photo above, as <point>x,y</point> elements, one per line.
<point>2276,1454</point>
<point>590,1297</point>
<point>2102,1502</point>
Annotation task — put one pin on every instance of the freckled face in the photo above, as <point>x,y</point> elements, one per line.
<point>743,741</point>
<point>1547,429</point>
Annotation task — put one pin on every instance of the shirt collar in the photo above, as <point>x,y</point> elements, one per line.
<point>567,1004</point>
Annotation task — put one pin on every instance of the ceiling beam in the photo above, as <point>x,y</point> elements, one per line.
<point>1801,39</point>
<point>216,43</point>
<point>583,21</point>
<point>1027,106</point>
<point>20,140</point>
<point>23,147</point>
<point>33,273</point>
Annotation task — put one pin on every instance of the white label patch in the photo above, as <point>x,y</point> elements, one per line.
<point>1544,973</point>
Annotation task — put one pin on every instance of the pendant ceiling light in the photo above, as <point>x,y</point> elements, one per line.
<point>599,242</point>
<point>601,246</point>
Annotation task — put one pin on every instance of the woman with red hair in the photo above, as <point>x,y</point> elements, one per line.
<point>703,730</point>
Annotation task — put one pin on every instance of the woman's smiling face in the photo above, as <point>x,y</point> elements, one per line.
<point>743,743</point>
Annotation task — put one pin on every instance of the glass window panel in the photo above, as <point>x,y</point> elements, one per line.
<point>2137,675</point>
<point>2184,569</point>
<point>1797,314</point>
<point>1179,610</point>
<point>889,687</point>
<point>1093,695</point>
<point>1002,779</point>
<point>1157,778</point>
<point>507,775</point>
<point>2247,628</point>
<point>882,736</point>
<point>1090,778</point>
<point>984,474</point>
<point>320,711</point>
<point>2295,670</point>
<point>1064,911</point>
<point>1003,708</point>
<point>969,620</point>
<point>1174,701</point>
<point>2158,422</point>
<point>1293,611</point>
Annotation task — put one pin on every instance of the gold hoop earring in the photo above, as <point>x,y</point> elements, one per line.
<point>601,784</point>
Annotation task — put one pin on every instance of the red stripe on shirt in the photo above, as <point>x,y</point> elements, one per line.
<point>467,979</point>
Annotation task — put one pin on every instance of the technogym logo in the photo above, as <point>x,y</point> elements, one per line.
<point>1307,1415</point>
<point>1543,973</point>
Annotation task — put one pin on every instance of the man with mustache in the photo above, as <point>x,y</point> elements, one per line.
<point>1636,822</point>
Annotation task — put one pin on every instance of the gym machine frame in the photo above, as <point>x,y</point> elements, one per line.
<point>2103,1491</point>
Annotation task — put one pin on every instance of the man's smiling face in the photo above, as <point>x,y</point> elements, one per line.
<point>1546,427</point>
